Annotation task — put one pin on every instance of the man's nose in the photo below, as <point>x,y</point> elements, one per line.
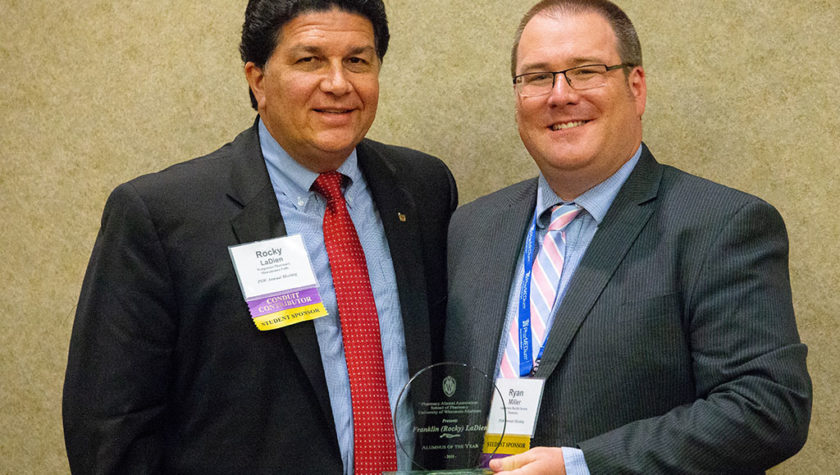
<point>335,81</point>
<point>562,91</point>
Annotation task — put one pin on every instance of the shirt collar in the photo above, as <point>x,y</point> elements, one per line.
<point>596,201</point>
<point>290,178</point>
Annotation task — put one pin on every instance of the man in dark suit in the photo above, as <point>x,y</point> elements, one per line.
<point>168,373</point>
<point>665,335</point>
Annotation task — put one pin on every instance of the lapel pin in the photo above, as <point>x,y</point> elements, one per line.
<point>401,216</point>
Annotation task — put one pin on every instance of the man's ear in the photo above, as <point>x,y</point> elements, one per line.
<point>254,75</point>
<point>638,88</point>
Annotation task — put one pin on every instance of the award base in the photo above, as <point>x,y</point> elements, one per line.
<point>466,471</point>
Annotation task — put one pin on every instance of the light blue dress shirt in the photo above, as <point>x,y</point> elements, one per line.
<point>579,233</point>
<point>303,213</point>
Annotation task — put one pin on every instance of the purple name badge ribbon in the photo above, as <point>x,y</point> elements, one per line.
<point>285,300</point>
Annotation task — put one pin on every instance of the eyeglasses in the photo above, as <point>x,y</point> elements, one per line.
<point>579,78</point>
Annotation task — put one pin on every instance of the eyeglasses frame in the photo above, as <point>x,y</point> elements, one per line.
<point>563,72</point>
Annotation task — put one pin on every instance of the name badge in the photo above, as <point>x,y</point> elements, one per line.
<point>517,419</point>
<point>277,282</point>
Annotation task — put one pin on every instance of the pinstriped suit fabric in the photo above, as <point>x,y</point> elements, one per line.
<point>675,349</point>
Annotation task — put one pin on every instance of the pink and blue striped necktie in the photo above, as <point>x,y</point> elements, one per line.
<point>546,271</point>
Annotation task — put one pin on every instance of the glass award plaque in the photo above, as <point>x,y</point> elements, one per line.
<point>449,404</point>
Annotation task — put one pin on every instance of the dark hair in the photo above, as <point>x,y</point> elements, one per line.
<point>264,20</point>
<point>629,48</point>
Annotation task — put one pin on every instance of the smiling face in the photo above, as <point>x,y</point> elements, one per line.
<point>317,93</point>
<point>578,138</point>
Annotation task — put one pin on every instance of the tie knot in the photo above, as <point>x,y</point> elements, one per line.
<point>562,215</point>
<point>329,185</point>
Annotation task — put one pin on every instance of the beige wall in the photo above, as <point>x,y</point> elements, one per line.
<point>94,92</point>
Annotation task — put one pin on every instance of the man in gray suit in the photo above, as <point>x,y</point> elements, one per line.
<point>667,338</point>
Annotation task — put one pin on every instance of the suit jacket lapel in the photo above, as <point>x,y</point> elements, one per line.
<point>260,219</point>
<point>251,189</point>
<point>398,213</point>
<point>619,229</point>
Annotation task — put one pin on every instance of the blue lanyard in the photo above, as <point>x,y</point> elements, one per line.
<point>526,363</point>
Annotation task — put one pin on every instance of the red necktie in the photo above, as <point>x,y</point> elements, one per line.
<point>374,447</point>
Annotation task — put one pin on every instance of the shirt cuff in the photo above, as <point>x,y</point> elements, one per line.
<point>573,459</point>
